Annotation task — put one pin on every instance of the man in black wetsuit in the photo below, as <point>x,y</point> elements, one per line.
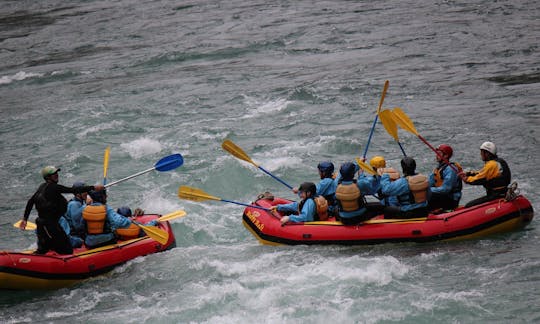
<point>51,205</point>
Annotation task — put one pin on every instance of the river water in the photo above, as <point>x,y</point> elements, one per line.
<point>292,83</point>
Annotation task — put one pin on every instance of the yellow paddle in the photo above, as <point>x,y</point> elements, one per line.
<point>195,194</point>
<point>29,225</point>
<point>106,164</point>
<point>391,126</point>
<point>236,151</point>
<point>365,167</point>
<point>171,216</point>
<point>406,123</point>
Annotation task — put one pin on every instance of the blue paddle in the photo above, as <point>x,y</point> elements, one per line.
<point>165,164</point>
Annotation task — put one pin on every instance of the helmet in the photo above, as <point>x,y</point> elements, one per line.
<point>490,147</point>
<point>326,168</point>
<point>78,184</point>
<point>446,150</point>
<point>408,165</point>
<point>48,170</point>
<point>377,162</point>
<point>347,171</point>
<point>308,187</point>
<point>124,211</point>
<point>99,196</point>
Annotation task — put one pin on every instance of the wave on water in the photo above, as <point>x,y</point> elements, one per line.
<point>142,147</point>
<point>19,76</point>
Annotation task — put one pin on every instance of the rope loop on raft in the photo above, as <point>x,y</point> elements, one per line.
<point>512,192</point>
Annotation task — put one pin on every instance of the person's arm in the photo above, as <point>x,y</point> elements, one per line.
<point>449,178</point>
<point>77,190</point>
<point>288,208</point>
<point>489,171</point>
<point>28,208</point>
<point>393,188</point>
<point>116,220</point>
<point>306,215</point>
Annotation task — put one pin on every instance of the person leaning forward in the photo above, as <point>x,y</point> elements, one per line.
<point>51,205</point>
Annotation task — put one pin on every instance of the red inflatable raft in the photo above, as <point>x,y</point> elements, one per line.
<point>497,216</point>
<point>27,271</point>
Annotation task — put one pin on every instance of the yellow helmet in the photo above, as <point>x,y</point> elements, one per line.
<point>377,162</point>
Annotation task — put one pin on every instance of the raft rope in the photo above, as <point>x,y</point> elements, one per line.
<point>512,192</point>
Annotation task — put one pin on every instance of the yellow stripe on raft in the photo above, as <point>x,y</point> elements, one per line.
<point>14,281</point>
<point>372,221</point>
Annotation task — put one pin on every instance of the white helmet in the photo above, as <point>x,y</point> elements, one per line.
<point>490,147</point>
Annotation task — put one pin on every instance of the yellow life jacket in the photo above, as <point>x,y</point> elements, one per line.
<point>437,173</point>
<point>393,173</point>
<point>128,233</point>
<point>349,197</point>
<point>95,218</point>
<point>418,185</point>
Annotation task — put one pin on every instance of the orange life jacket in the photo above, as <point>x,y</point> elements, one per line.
<point>95,218</point>
<point>128,233</point>
<point>349,197</point>
<point>418,185</point>
<point>437,173</point>
<point>393,173</point>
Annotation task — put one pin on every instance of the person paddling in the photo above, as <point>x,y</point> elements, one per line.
<point>495,176</point>
<point>51,205</point>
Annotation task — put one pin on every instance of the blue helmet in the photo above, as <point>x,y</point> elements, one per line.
<point>78,184</point>
<point>326,168</point>
<point>347,171</point>
<point>124,211</point>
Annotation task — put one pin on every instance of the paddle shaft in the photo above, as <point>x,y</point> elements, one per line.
<point>385,88</point>
<point>273,176</point>
<point>438,154</point>
<point>127,178</point>
<point>242,204</point>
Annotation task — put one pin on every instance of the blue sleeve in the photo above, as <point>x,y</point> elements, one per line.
<point>307,214</point>
<point>291,208</point>
<point>326,187</point>
<point>64,224</point>
<point>116,220</point>
<point>393,188</point>
<point>432,180</point>
<point>449,178</point>
<point>368,184</point>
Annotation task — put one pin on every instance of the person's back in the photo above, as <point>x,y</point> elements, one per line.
<point>327,185</point>
<point>412,192</point>
<point>101,220</point>
<point>74,211</point>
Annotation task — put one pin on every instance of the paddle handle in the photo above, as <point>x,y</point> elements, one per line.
<point>127,178</point>
<point>401,147</point>
<point>273,176</point>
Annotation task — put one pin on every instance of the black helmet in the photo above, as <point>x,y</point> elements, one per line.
<point>308,187</point>
<point>124,211</point>
<point>78,184</point>
<point>99,196</point>
<point>408,165</point>
<point>326,168</point>
<point>347,171</point>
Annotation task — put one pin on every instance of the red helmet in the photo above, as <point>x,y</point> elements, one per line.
<point>446,150</point>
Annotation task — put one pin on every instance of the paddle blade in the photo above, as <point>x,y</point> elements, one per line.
<point>171,216</point>
<point>403,120</point>
<point>169,162</point>
<point>157,234</point>
<point>106,164</point>
<point>29,225</point>
<point>365,167</point>
<point>236,151</point>
<point>385,88</point>
<point>389,123</point>
<point>194,194</point>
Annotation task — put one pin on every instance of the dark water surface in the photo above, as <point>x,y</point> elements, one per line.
<point>292,83</point>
